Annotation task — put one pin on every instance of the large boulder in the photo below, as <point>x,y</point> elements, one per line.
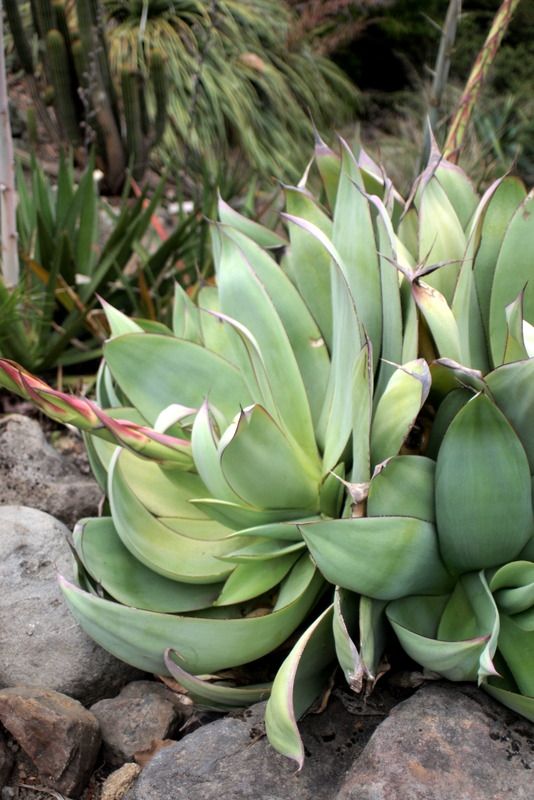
<point>40,642</point>
<point>442,743</point>
<point>231,758</point>
<point>34,473</point>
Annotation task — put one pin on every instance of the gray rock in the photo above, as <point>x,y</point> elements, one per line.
<point>446,742</point>
<point>144,712</point>
<point>59,735</point>
<point>33,473</point>
<point>232,759</point>
<point>40,643</point>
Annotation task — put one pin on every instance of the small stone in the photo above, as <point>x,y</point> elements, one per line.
<point>143,713</point>
<point>445,742</point>
<point>58,734</point>
<point>117,784</point>
<point>40,642</point>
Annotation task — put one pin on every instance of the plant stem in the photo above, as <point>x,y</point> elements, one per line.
<point>476,80</point>
<point>8,219</point>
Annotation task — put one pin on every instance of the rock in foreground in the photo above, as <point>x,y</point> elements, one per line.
<point>232,759</point>
<point>59,735</point>
<point>40,642</point>
<point>143,713</point>
<point>33,473</point>
<point>442,743</point>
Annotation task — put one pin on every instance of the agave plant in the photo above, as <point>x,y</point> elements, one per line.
<point>314,449</point>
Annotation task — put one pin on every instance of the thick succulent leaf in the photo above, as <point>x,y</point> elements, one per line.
<point>331,493</point>
<point>471,613</point>
<point>264,468</point>
<point>514,349</point>
<point>262,549</point>
<point>513,273</point>
<point>345,630</point>
<point>528,551</point>
<point>468,318</point>
<point>528,338</point>
<point>397,409</point>
<point>335,424</point>
<point>185,316</point>
<point>157,371</point>
<point>354,239</point>
<point>358,618</point>
<point>218,336</point>
<point>459,190</point>
<point>207,458</point>
<point>380,557</point>
<point>372,638</point>
<point>217,696</point>
<point>404,487</point>
<point>516,644</point>
<point>407,232</point>
<point>206,645</point>
<point>493,225</point>
<point>263,236</point>
<point>308,262</point>
<point>415,621</point>
<point>362,401</point>
<point>302,331</point>
<point>127,580</point>
<point>513,587</point>
<point>244,298</point>
<point>377,183</point>
<point>517,702</point>
<point>392,326</point>
<point>159,547</point>
<point>410,315</point>
<point>118,322</point>
<point>448,375</point>
<point>512,388</point>
<point>107,394</point>
<point>164,492</point>
<point>329,166</point>
<point>298,683</point>
<point>440,320</point>
<point>238,516</point>
<point>447,411</point>
<point>484,515</point>
<point>441,238</point>
<point>253,579</point>
<point>278,533</point>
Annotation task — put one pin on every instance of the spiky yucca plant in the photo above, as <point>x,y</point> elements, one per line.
<point>339,434</point>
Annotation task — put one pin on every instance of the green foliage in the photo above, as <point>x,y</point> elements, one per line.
<point>67,257</point>
<point>235,79</point>
<point>340,436</point>
<point>75,65</point>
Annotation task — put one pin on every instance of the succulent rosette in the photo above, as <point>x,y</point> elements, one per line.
<point>332,443</point>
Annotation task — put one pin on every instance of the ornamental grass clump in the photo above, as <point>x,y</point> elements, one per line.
<point>332,444</point>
